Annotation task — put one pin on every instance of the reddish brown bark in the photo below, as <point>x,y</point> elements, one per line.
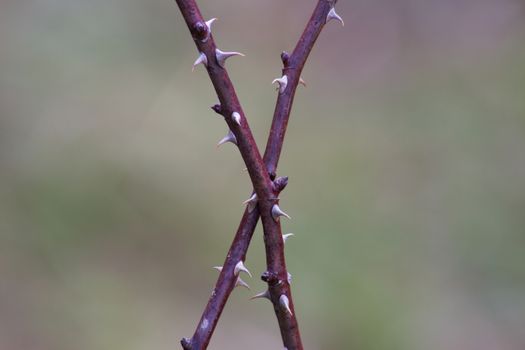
<point>261,174</point>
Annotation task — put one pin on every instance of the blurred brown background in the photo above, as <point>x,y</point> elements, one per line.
<point>406,158</point>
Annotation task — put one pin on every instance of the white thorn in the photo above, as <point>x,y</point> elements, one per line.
<point>333,15</point>
<point>285,303</point>
<point>238,283</point>
<point>251,202</point>
<point>276,212</point>
<point>264,295</point>
<point>289,278</point>
<point>286,236</point>
<point>302,82</point>
<point>251,199</point>
<point>240,267</point>
<point>201,59</point>
<point>283,82</point>
<point>241,283</point>
<point>208,24</point>
<point>236,117</point>
<point>228,138</point>
<point>222,56</point>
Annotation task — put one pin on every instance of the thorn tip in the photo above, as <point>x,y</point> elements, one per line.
<point>208,26</point>
<point>333,15</point>
<point>285,303</point>
<point>282,81</point>
<point>262,295</point>
<point>236,117</point>
<point>286,236</point>
<point>277,212</point>
<point>240,267</point>
<point>230,137</point>
<point>222,56</point>
<point>201,59</point>
<point>251,202</point>
<point>240,283</point>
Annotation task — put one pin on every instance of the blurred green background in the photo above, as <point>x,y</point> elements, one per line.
<point>406,158</point>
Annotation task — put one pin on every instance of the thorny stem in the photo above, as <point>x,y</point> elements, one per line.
<point>276,274</point>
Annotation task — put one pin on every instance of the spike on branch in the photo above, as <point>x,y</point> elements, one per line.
<point>333,15</point>
<point>230,137</point>
<point>240,267</point>
<point>283,83</point>
<point>222,56</point>
<point>201,59</point>
<point>277,212</point>
<point>258,172</point>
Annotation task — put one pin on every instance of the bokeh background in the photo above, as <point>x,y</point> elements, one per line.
<point>406,158</point>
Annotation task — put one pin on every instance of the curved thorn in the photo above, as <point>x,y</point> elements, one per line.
<point>285,303</point>
<point>302,82</point>
<point>286,236</point>
<point>201,59</point>
<point>208,24</point>
<point>251,202</point>
<point>283,82</point>
<point>263,295</point>
<point>277,212</point>
<point>236,117</point>
<point>251,199</point>
<point>238,283</point>
<point>241,283</point>
<point>230,137</point>
<point>333,15</point>
<point>222,56</point>
<point>240,267</point>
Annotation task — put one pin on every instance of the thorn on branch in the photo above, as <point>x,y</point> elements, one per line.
<point>333,15</point>
<point>238,282</point>
<point>263,295</point>
<point>283,82</point>
<point>240,267</point>
<point>285,303</point>
<point>230,137</point>
<point>277,212</point>
<point>286,236</point>
<point>251,202</point>
<point>201,59</point>
<point>222,56</point>
<point>207,28</point>
<point>241,283</point>
<point>236,118</point>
